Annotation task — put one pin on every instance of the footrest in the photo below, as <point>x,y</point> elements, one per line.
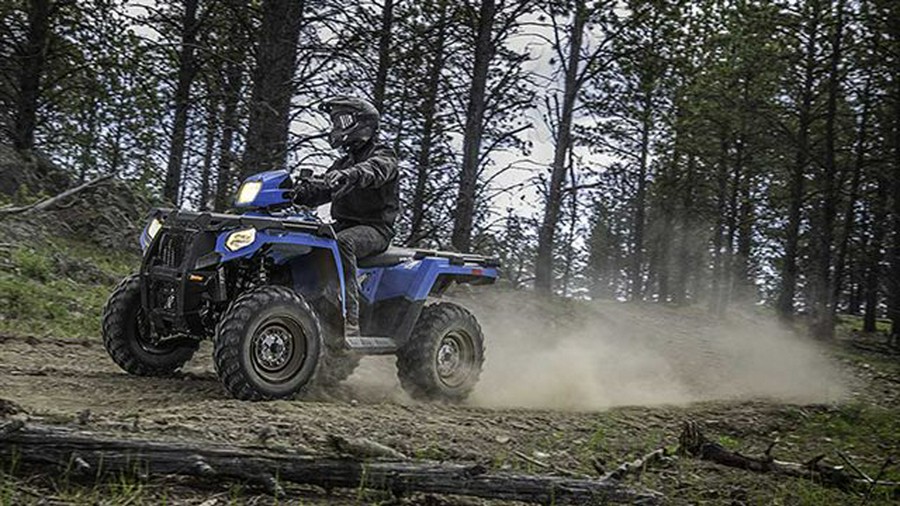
<point>372,345</point>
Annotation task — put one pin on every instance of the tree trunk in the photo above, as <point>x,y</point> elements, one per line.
<point>636,275</point>
<point>719,231</point>
<point>875,252</point>
<point>88,158</point>
<point>743,279</point>
<point>231,89</point>
<point>468,178</point>
<point>270,105</point>
<point>401,121</point>
<point>855,301</point>
<point>429,112</point>
<point>569,266</point>
<point>686,242</point>
<point>384,54</point>
<point>790,271</point>
<point>543,268</point>
<point>894,283</point>
<point>731,226</point>
<point>850,211</point>
<point>212,114</point>
<point>187,70</point>
<point>823,306</point>
<point>664,260</point>
<point>33,57</point>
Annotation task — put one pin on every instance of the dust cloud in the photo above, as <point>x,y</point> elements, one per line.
<point>591,355</point>
<point>580,355</point>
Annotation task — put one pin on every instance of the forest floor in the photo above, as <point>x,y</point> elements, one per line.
<point>565,382</point>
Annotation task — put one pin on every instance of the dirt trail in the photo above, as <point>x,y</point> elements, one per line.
<point>552,373</point>
<point>573,357</point>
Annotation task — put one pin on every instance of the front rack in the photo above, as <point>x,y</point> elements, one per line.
<point>207,221</point>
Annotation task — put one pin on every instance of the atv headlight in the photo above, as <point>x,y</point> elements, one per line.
<point>153,228</point>
<point>248,192</point>
<point>240,239</point>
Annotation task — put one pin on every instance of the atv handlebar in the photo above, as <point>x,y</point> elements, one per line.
<point>308,183</point>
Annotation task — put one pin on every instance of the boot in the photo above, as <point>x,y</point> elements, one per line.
<point>351,329</point>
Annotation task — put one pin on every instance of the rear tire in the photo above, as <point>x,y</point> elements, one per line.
<point>268,345</point>
<point>443,358</point>
<point>125,331</point>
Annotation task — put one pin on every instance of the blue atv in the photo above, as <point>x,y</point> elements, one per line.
<point>267,287</point>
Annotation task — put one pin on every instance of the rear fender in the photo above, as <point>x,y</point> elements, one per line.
<point>314,261</point>
<point>395,296</point>
<point>418,279</point>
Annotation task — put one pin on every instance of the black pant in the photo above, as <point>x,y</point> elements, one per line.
<point>357,241</point>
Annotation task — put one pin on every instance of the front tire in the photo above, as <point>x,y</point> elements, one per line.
<point>268,345</point>
<point>126,332</point>
<point>338,365</point>
<point>443,358</point>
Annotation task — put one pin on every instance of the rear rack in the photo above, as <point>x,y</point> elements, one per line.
<point>457,258</point>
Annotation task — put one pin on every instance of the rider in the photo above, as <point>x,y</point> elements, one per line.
<point>363,187</point>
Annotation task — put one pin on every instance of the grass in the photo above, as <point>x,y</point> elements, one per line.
<point>851,324</point>
<point>859,429</point>
<point>118,490</point>
<point>58,288</point>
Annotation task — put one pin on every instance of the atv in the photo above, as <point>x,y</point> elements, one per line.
<point>268,288</point>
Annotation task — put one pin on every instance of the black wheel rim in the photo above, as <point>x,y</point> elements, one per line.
<point>455,358</point>
<point>278,349</point>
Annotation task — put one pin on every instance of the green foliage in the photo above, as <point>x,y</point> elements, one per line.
<point>36,299</point>
<point>33,265</point>
<point>852,424</point>
<point>595,443</point>
<point>431,452</point>
<point>728,442</point>
<point>850,324</point>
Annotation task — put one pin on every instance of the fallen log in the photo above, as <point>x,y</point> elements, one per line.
<point>693,443</point>
<point>46,203</point>
<point>106,455</point>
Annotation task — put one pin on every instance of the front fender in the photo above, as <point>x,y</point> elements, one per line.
<point>301,248</point>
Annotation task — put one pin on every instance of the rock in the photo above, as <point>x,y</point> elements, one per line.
<point>29,173</point>
<point>8,407</point>
<point>265,433</point>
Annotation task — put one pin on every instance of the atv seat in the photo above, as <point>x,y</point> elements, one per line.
<point>388,257</point>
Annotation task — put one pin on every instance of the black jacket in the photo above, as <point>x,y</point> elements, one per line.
<point>374,194</point>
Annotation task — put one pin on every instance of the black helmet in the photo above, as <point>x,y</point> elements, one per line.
<point>354,121</point>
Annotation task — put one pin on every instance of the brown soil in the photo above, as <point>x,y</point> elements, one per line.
<point>66,381</point>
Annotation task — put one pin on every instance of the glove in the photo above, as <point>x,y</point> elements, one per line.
<point>340,182</point>
<point>302,193</point>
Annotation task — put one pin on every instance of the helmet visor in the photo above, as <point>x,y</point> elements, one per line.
<point>343,121</point>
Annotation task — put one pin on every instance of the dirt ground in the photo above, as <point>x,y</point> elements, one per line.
<point>558,400</point>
